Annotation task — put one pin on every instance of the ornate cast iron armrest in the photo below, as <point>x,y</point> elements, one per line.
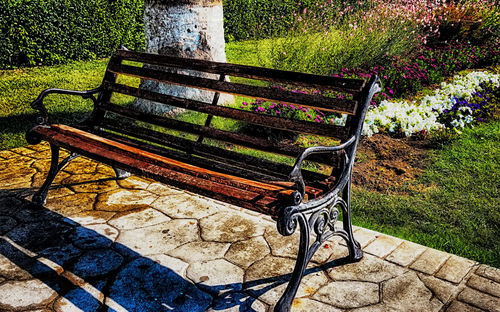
<point>38,103</point>
<point>296,173</point>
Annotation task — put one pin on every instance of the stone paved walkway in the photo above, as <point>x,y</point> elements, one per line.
<point>137,245</point>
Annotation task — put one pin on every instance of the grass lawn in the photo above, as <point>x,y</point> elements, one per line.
<point>453,206</point>
<point>456,211</point>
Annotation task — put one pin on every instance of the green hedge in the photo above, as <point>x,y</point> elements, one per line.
<point>256,19</point>
<point>34,32</point>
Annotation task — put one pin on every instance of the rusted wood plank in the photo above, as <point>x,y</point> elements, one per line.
<point>164,161</point>
<point>225,168</point>
<point>226,136</point>
<point>198,161</point>
<point>228,112</point>
<point>231,158</point>
<point>251,72</point>
<point>271,94</point>
<point>160,173</point>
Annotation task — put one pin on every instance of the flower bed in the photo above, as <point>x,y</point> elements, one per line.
<point>465,100</point>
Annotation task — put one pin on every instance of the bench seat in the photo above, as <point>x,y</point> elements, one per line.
<point>261,196</point>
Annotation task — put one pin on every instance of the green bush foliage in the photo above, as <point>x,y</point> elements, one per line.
<point>34,32</point>
<point>257,19</point>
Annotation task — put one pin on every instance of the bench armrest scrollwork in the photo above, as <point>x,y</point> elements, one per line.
<point>37,104</point>
<point>296,173</point>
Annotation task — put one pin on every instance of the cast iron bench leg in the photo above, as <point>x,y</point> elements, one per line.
<point>303,257</point>
<point>322,222</point>
<point>355,252</point>
<point>40,197</point>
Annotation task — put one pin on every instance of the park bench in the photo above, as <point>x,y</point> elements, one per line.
<point>220,163</point>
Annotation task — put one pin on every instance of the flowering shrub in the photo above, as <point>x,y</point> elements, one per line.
<point>428,66</point>
<point>284,110</point>
<point>465,100</point>
<point>353,37</point>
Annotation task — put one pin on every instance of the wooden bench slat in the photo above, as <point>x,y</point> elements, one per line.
<point>226,136</point>
<point>266,93</point>
<point>242,192</point>
<point>245,71</point>
<point>246,172</point>
<point>228,112</point>
<point>223,192</point>
<point>158,159</point>
<point>231,158</point>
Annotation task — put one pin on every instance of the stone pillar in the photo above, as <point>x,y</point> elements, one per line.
<point>186,28</point>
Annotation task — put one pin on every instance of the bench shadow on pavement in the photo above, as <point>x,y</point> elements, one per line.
<point>41,242</point>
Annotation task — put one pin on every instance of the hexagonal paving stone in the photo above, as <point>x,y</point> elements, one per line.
<point>87,297</point>
<point>138,219</point>
<point>71,204</point>
<point>231,227</point>
<point>81,166</point>
<point>186,206</point>
<point>199,251</point>
<point>105,169</point>
<point>270,267</point>
<point>408,293</point>
<point>41,175</point>
<point>10,206</point>
<point>219,273</point>
<point>124,200</point>
<point>91,217</point>
<point>11,270</point>
<point>236,302</point>
<point>349,294</point>
<point>78,179</point>
<point>288,246</point>
<point>135,183</point>
<point>101,186</point>
<point>58,191</point>
<point>312,281</point>
<point>93,236</point>
<point>36,236</point>
<point>160,238</point>
<point>310,305</point>
<point>174,264</point>
<point>61,254</point>
<point>163,189</point>
<point>369,269</point>
<point>245,253</point>
<point>143,286</point>
<point>16,175</point>
<point>97,263</point>
<point>25,294</point>
<point>6,224</point>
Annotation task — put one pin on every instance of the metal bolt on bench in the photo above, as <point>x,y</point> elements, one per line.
<point>184,154</point>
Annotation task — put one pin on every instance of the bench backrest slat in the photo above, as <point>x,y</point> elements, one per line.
<point>231,158</point>
<point>228,112</point>
<point>245,71</point>
<point>227,136</point>
<point>266,93</point>
<point>206,136</point>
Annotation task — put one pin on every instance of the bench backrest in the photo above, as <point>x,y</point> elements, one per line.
<point>347,96</point>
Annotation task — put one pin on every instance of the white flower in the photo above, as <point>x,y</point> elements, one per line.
<point>414,117</point>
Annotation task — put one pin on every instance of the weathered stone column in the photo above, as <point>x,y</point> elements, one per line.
<point>186,28</point>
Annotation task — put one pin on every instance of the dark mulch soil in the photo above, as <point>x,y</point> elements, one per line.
<point>385,164</point>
